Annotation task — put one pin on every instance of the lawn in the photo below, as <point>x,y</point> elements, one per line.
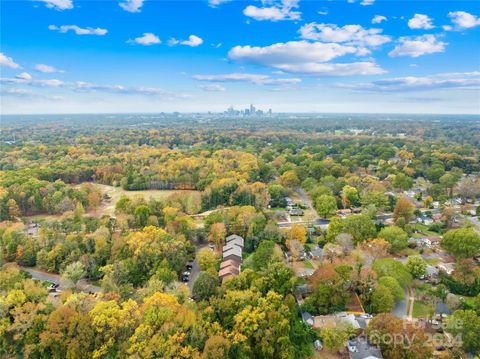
<point>116,192</point>
<point>308,264</point>
<point>420,309</point>
<point>424,229</point>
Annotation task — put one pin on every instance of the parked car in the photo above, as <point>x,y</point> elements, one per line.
<point>185,276</point>
<point>352,346</point>
<point>189,266</point>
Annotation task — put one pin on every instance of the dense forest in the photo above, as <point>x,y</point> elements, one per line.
<point>119,209</point>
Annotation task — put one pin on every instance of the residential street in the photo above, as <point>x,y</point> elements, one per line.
<point>195,269</point>
<point>400,309</point>
<point>83,285</point>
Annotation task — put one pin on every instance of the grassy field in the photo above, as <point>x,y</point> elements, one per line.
<point>420,309</point>
<point>115,193</point>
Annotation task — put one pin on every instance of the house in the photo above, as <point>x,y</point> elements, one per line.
<point>303,290</point>
<point>437,217</point>
<point>425,220</point>
<point>228,271</point>
<point>315,253</point>
<point>231,266</point>
<point>231,245</point>
<point>296,212</point>
<point>233,252</point>
<point>364,350</point>
<point>344,212</point>
<point>432,272</point>
<point>230,262</point>
<point>409,193</point>
<point>307,318</point>
<point>296,249</point>
<point>448,268</point>
<point>289,201</point>
<point>235,239</point>
<point>337,319</point>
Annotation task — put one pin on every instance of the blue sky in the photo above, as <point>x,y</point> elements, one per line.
<point>73,56</point>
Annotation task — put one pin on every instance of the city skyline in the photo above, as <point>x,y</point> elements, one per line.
<point>137,56</point>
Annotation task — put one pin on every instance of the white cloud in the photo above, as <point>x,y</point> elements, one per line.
<point>192,41</point>
<point>24,76</point>
<point>58,4</point>
<point>293,51</point>
<point>24,93</point>
<point>349,34</point>
<point>215,3</point>
<point>377,19</point>
<point>212,88</point>
<point>16,92</point>
<point>256,79</point>
<point>329,69</point>
<point>131,5</point>
<point>417,46</point>
<point>8,61</point>
<point>323,12</point>
<point>79,30</point>
<point>463,20</point>
<point>81,86</point>
<point>46,68</point>
<point>278,11</point>
<point>173,41</point>
<point>24,80</point>
<point>420,21</point>
<point>444,81</point>
<point>367,2</point>
<point>146,39</point>
<point>447,28</point>
<point>304,57</point>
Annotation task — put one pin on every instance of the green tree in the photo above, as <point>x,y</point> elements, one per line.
<point>403,182</point>
<point>205,285</point>
<point>334,339</point>
<point>393,286</point>
<point>462,242</point>
<point>350,196</point>
<point>388,267</point>
<point>74,272</point>
<point>382,300</point>
<point>207,259</point>
<point>466,323</point>
<point>326,205</point>
<point>141,214</point>
<point>417,266</point>
<point>376,198</point>
<point>396,236</point>
<point>360,226</point>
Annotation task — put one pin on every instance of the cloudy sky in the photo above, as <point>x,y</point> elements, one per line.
<point>74,56</point>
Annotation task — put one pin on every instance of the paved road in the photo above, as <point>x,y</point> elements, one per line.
<point>306,200</point>
<point>317,222</point>
<point>400,309</point>
<point>83,285</point>
<point>195,268</point>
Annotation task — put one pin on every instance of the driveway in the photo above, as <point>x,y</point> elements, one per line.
<point>83,285</point>
<point>400,309</point>
<point>195,267</point>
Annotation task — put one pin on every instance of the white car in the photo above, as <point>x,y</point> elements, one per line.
<point>352,347</point>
